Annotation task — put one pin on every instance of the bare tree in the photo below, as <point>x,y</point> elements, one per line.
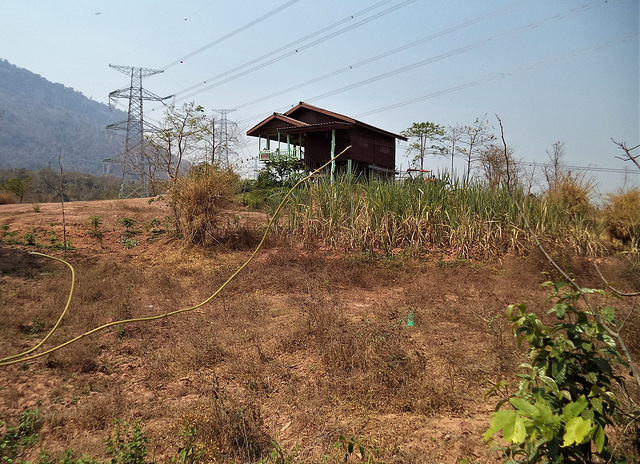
<point>555,171</point>
<point>496,168</point>
<point>474,138</point>
<point>179,139</point>
<point>452,135</point>
<point>221,144</point>
<point>627,153</point>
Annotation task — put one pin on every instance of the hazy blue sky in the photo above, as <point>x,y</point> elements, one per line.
<point>553,70</point>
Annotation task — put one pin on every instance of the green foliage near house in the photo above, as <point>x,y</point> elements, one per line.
<point>281,170</point>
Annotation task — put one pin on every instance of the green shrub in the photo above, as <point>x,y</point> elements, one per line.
<point>15,440</point>
<point>30,237</point>
<point>565,404</point>
<point>127,445</point>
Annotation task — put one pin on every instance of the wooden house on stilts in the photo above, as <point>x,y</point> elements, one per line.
<point>315,135</point>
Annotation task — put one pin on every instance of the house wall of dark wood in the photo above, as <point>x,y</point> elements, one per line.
<point>372,148</point>
<point>318,147</point>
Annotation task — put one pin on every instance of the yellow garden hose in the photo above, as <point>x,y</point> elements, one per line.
<point>22,357</point>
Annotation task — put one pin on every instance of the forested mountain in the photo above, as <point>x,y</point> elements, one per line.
<point>40,119</point>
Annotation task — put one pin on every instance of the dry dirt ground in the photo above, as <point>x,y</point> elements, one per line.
<point>305,346</point>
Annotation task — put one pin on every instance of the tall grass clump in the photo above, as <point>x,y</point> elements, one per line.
<point>414,217</point>
<point>622,216</point>
<point>199,201</point>
<point>7,198</point>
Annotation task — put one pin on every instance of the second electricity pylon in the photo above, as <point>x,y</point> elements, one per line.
<point>136,168</point>
<point>224,143</point>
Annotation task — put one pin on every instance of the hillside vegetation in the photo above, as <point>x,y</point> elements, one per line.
<point>40,120</point>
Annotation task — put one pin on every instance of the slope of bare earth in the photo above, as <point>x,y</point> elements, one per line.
<point>305,346</point>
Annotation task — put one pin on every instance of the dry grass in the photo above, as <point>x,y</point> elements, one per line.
<point>307,345</point>
<point>570,194</point>
<point>7,198</point>
<point>417,219</point>
<point>622,215</point>
<point>199,201</point>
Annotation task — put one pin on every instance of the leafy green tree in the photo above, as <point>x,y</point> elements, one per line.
<point>423,137</point>
<point>18,186</point>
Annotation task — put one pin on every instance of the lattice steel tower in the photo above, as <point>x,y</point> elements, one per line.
<point>135,165</point>
<point>224,135</point>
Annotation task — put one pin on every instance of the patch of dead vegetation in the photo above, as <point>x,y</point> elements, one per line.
<point>304,347</point>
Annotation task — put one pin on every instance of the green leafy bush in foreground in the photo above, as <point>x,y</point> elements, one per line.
<point>565,405</point>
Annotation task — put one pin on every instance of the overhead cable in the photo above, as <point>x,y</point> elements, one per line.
<point>232,33</point>
<point>292,52</point>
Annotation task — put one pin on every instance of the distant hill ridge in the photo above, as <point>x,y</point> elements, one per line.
<point>38,118</point>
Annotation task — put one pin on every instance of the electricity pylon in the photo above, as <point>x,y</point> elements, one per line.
<point>135,165</point>
<point>224,155</point>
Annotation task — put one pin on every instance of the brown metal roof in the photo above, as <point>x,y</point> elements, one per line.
<point>296,126</point>
<point>254,131</point>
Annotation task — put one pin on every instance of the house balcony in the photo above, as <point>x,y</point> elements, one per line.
<point>292,152</point>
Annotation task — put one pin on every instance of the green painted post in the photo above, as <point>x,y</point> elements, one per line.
<point>288,145</point>
<point>333,153</point>
<point>349,167</point>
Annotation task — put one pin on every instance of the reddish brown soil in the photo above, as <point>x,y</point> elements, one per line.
<point>303,347</point>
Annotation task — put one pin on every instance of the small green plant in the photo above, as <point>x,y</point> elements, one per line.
<point>53,238</point>
<point>36,207</point>
<point>62,246</point>
<point>95,221</point>
<point>155,227</point>
<point>95,232</point>
<point>6,232</point>
<point>154,224</point>
<point>354,446</point>
<point>69,458</point>
<point>279,456</point>
<point>127,445</point>
<point>190,452</point>
<point>15,440</point>
<point>128,242</point>
<point>565,401</point>
<point>30,237</point>
<point>128,224</point>
<point>38,326</point>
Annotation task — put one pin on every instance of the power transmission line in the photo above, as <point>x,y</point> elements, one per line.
<point>537,64</point>
<point>451,53</point>
<point>427,61</point>
<point>232,33</point>
<point>292,52</point>
<point>386,54</point>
